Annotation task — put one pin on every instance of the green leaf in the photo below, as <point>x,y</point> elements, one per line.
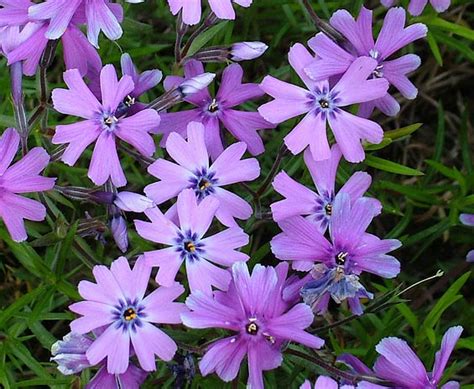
<point>204,38</point>
<point>455,28</point>
<point>402,132</point>
<point>435,48</point>
<point>389,166</point>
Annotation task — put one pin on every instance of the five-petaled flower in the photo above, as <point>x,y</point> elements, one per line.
<point>187,244</point>
<point>323,104</point>
<point>21,177</point>
<point>262,320</point>
<point>194,171</point>
<point>117,301</point>
<point>103,124</point>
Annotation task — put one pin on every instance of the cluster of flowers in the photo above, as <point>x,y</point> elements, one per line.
<point>323,232</point>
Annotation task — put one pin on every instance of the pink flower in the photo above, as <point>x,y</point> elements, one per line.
<point>186,243</point>
<point>21,177</point>
<point>117,302</point>
<point>103,124</point>
<point>193,171</point>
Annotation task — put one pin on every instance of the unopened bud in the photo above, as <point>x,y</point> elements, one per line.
<point>196,84</point>
<point>244,51</point>
<point>132,202</point>
<point>118,226</point>
<point>70,353</point>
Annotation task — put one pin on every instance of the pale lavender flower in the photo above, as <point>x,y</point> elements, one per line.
<point>17,179</point>
<point>191,9</point>
<point>416,7</point>
<point>186,243</point>
<point>244,51</point>
<point>117,302</point>
<point>194,171</point>
<point>322,105</point>
<point>468,220</point>
<point>254,309</point>
<point>131,379</point>
<point>98,15</point>
<point>333,60</point>
<point>340,262</point>
<point>102,124</point>
<point>398,363</point>
<point>213,111</point>
<point>317,207</point>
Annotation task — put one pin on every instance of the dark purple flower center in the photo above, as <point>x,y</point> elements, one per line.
<point>213,107</point>
<point>324,102</point>
<point>128,314</point>
<point>203,183</point>
<point>252,327</point>
<point>323,208</point>
<point>341,258</point>
<point>188,246</point>
<point>108,121</point>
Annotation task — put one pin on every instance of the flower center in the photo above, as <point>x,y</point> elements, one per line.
<point>203,183</point>
<point>190,247</point>
<point>129,101</point>
<point>341,258</point>
<point>109,121</point>
<point>324,103</point>
<point>328,209</point>
<point>213,107</point>
<point>252,328</point>
<point>129,314</point>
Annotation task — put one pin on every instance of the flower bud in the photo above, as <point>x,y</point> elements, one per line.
<point>247,50</point>
<point>118,226</point>
<point>132,202</point>
<point>196,84</point>
<point>70,353</point>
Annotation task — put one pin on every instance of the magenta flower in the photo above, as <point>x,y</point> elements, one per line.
<point>416,7</point>
<point>211,111</point>
<point>98,15</point>
<point>468,220</point>
<point>192,9</point>
<point>78,52</point>
<point>317,207</point>
<point>193,171</point>
<point>186,243</point>
<point>21,177</point>
<point>119,305</point>
<point>334,60</point>
<point>103,124</point>
<point>398,363</point>
<point>323,105</point>
<point>339,262</point>
<point>254,309</point>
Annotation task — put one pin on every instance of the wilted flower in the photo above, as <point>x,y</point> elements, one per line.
<point>187,244</point>
<point>244,51</point>
<point>398,363</point>
<point>334,60</point>
<point>323,105</point>
<point>19,178</point>
<point>468,220</point>
<point>191,9</point>
<point>254,308</point>
<point>317,207</point>
<point>211,111</point>
<point>102,124</point>
<point>416,7</point>
<point>193,171</point>
<point>117,301</point>
<point>341,261</point>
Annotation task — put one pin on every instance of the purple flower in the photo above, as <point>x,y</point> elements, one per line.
<point>334,60</point>
<point>254,309</point>
<point>117,302</point>
<point>211,111</point>
<point>186,243</point>
<point>192,9</point>
<point>132,202</point>
<point>78,52</point>
<point>131,379</point>
<point>193,171</point>
<point>317,207</point>
<point>323,104</point>
<point>416,7</point>
<point>468,220</point>
<point>324,382</point>
<point>401,366</point>
<point>19,178</point>
<point>102,124</point>
<point>341,261</point>
<point>98,15</point>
